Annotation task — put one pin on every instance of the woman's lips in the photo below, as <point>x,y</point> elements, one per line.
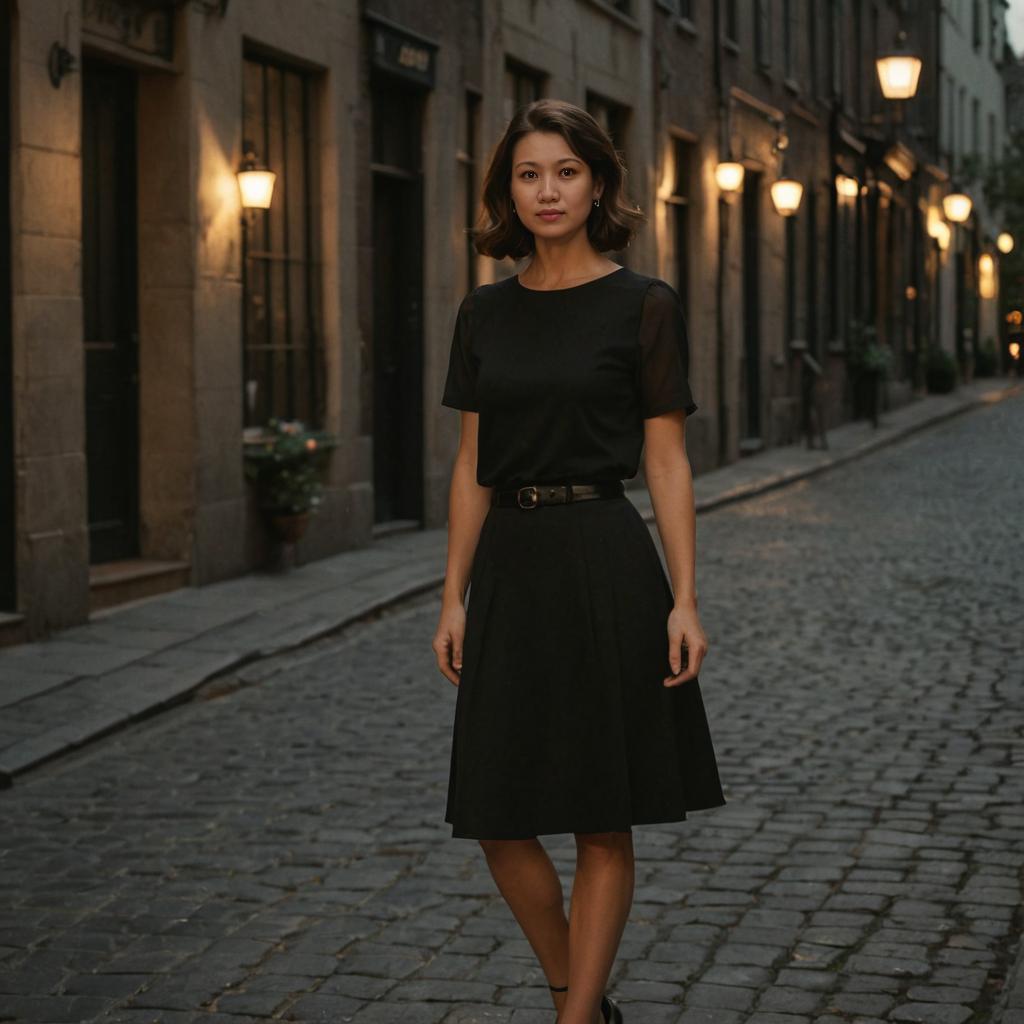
<point>552,215</point>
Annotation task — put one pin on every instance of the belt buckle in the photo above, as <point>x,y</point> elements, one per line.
<point>519,496</point>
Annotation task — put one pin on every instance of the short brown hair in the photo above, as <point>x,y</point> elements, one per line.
<point>610,226</point>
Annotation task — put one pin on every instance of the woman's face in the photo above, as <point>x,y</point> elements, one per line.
<point>548,178</point>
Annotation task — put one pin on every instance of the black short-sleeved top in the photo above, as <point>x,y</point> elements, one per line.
<point>563,379</point>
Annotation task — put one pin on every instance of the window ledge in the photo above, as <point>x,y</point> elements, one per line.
<point>626,20</point>
<point>792,85</point>
<point>731,45</point>
<point>687,26</point>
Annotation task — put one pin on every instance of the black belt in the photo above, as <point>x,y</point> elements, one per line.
<point>532,495</point>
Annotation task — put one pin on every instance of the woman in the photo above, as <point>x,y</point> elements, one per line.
<point>577,710</point>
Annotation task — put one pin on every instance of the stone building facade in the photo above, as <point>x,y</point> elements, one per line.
<point>146,319</point>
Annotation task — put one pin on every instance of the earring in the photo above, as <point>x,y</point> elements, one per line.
<point>597,202</point>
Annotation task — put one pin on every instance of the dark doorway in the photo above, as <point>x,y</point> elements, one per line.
<point>110,309</point>
<point>751,428</point>
<point>8,584</point>
<point>397,301</point>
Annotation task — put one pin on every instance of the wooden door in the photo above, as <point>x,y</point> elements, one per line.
<point>110,309</point>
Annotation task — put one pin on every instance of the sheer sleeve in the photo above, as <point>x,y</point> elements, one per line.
<point>460,385</point>
<point>664,353</point>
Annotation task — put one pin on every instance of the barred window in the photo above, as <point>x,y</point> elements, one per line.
<point>282,338</point>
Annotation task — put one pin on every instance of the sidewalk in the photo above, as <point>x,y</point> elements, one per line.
<point>130,662</point>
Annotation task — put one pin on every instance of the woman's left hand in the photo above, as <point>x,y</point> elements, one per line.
<point>684,630</point>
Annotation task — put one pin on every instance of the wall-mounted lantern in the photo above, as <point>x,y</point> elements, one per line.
<point>957,207</point>
<point>255,183</point>
<point>1004,243</point>
<point>986,276</point>
<point>786,195</point>
<point>729,176</point>
<point>847,187</point>
<point>61,61</point>
<point>899,71</point>
<point>786,192</point>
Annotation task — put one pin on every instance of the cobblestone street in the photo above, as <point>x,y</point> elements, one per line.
<point>275,848</point>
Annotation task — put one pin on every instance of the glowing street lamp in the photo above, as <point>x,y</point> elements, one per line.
<point>898,74</point>
<point>846,186</point>
<point>899,71</point>
<point>255,183</point>
<point>957,207</point>
<point>786,195</point>
<point>986,276</point>
<point>1004,243</point>
<point>729,176</point>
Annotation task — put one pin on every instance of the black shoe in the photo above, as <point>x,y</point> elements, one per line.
<point>609,1008</point>
<point>610,1011</point>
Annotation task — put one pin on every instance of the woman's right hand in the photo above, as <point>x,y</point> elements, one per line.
<point>448,640</point>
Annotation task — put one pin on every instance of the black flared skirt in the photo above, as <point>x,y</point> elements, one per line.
<point>562,723</point>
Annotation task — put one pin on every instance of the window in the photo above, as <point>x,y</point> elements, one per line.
<point>950,104</point>
<point>522,85</point>
<point>282,338</point>
<point>961,133</point>
<point>976,34</point>
<point>814,62</point>
<point>856,67</point>
<point>610,116</point>
<point>975,128</point>
<point>731,21</point>
<point>875,88</point>
<point>763,33</point>
<point>686,159</point>
<point>789,29</point>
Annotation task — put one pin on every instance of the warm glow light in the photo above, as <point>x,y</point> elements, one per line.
<point>1015,350</point>
<point>1004,243</point>
<point>911,292</point>
<point>786,195</point>
<point>935,222</point>
<point>943,234</point>
<point>957,207</point>
<point>847,186</point>
<point>257,188</point>
<point>986,276</point>
<point>729,176</point>
<point>898,74</point>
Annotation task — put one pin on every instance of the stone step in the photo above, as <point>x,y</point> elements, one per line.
<point>130,579</point>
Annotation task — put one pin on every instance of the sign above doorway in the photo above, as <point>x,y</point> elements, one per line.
<point>141,27</point>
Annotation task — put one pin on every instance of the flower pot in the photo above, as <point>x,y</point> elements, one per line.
<point>289,526</point>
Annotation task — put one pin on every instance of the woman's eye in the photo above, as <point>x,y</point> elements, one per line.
<point>571,170</point>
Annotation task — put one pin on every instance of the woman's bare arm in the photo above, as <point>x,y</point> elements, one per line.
<point>468,504</point>
<point>670,483</point>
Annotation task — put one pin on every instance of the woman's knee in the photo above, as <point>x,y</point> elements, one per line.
<point>611,844</point>
<point>497,847</point>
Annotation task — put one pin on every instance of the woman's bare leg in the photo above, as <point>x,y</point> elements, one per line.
<point>601,897</point>
<point>578,952</point>
<point>528,881</point>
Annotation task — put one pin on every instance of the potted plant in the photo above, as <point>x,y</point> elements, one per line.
<point>940,371</point>
<point>286,463</point>
<point>870,363</point>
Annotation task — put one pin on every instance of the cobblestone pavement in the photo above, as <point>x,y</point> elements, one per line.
<point>276,849</point>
